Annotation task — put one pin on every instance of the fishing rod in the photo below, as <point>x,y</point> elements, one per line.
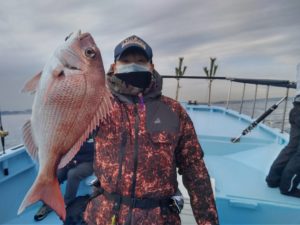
<point>258,120</point>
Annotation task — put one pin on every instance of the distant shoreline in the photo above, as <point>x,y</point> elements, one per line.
<point>15,112</point>
<point>29,111</point>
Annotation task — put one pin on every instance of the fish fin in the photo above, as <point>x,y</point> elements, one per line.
<point>29,141</point>
<point>32,84</point>
<point>70,154</point>
<point>101,113</point>
<point>49,193</point>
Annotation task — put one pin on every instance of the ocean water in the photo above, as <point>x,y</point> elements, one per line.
<point>13,123</point>
<point>279,118</point>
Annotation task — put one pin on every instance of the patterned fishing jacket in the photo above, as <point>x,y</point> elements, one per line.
<point>145,140</point>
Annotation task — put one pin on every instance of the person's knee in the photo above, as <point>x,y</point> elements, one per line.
<point>271,182</point>
<point>78,173</point>
<point>74,174</point>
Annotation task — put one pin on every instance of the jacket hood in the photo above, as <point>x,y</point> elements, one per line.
<point>128,93</point>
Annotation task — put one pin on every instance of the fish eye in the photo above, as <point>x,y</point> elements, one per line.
<point>90,53</point>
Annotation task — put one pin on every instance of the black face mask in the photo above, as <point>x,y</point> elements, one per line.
<point>137,79</point>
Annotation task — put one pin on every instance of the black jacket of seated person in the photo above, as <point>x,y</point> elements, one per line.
<point>285,170</point>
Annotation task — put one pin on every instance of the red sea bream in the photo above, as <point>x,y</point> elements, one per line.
<point>70,99</point>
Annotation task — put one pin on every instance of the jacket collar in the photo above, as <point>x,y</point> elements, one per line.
<point>129,94</point>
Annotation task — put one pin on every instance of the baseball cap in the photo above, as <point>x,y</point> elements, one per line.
<point>133,42</point>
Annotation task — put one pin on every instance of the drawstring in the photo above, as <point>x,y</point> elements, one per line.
<point>141,101</point>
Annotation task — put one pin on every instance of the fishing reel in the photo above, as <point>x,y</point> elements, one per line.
<point>3,133</point>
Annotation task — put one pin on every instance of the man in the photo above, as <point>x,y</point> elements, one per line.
<point>285,170</point>
<point>80,167</point>
<point>140,145</point>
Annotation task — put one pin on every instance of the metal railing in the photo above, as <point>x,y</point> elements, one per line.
<point>257,82</point>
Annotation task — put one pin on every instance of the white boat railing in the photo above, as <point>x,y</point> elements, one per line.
<point>268,83</point>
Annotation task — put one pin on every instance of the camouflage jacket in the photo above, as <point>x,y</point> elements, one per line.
<point>160,138</point>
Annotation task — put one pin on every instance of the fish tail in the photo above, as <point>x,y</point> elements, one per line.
<point>49,193</point>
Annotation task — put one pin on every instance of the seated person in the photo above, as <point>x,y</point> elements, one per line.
<point>285,170</point>
<point>80,167</point>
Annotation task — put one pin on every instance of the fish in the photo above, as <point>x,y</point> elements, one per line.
<point>71,99</point>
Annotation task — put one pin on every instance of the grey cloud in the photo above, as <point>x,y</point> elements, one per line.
<point>242,34</point>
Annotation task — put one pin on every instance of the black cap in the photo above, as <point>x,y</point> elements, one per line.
<point>133,42</point>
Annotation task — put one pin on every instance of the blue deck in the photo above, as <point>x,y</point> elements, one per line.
<point>239,170</point>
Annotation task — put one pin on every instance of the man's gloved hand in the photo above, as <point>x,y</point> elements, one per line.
<point>71,164</point>
<point>97,189</point>
<point>177,202</point>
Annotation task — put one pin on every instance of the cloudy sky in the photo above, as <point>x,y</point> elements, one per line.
<point>250,38</point>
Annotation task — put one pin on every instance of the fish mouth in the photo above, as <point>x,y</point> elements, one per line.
<point>79,35</point>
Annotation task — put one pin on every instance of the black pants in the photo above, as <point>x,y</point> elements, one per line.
<point>74,175</point>
<point>285,170</point>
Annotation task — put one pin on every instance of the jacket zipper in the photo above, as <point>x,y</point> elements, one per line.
<point>135,161</point>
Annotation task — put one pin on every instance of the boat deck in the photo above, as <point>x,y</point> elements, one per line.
<point>238,170</point>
